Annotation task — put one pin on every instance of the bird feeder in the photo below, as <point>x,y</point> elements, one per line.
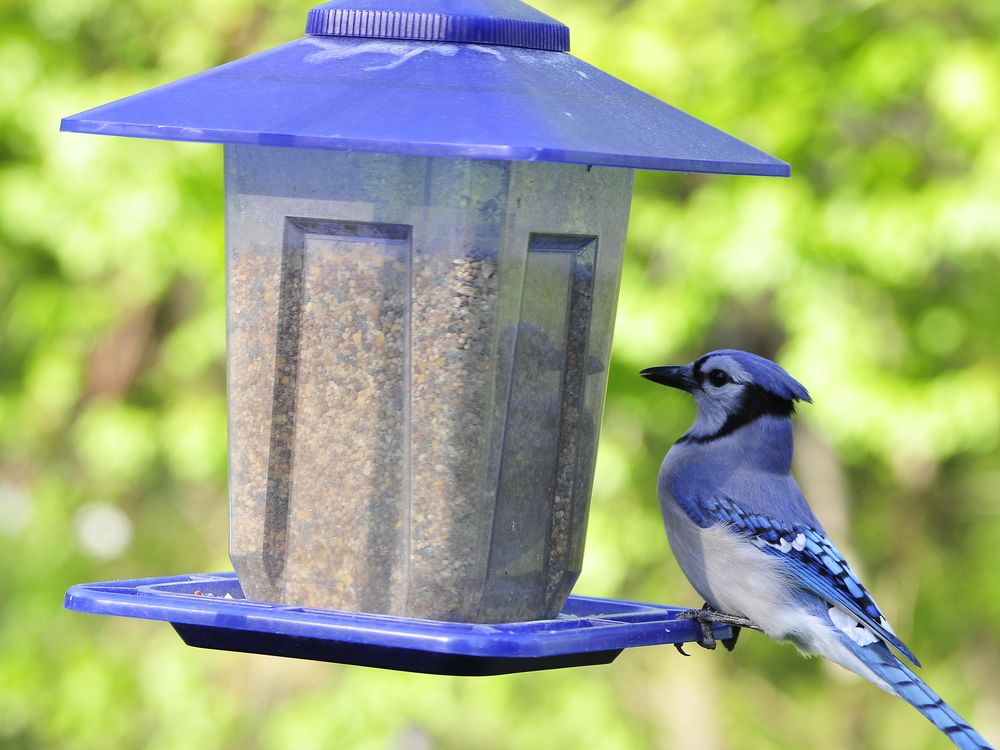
<point>426,206</point>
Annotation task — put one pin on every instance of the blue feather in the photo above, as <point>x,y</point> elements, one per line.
<point>766,374</point>
<point>904,683</point>
<point>818,567</point>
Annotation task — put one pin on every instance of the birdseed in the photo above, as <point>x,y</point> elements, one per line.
<point>363,415</point>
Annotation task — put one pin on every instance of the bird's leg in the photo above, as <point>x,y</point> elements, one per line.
<point>707,616</point>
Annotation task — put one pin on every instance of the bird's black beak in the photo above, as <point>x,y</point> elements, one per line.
<point>676,377</point>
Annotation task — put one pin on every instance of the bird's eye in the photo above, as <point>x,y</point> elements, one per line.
<point>719,378</point>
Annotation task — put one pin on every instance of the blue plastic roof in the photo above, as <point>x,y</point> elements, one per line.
<point>429,98</point>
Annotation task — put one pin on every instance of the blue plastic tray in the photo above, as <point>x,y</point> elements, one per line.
<point>588,631</point>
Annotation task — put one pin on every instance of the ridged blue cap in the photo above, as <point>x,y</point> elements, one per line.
<point>511,24</point>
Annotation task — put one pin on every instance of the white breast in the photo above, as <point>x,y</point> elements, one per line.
<point>737,578</point>
<point>731,574</point>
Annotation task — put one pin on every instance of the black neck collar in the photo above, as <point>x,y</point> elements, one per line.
<point>754,404</point>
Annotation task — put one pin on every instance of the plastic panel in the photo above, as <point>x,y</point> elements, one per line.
<point>418,353</point>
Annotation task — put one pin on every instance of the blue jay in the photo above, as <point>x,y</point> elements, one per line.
<point>749,543</point>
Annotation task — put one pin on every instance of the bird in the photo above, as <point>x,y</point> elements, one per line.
<point>750,545</point>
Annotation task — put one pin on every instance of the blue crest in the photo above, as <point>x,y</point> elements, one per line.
<point>765,374</point>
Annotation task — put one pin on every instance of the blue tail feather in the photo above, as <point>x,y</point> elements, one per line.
<point>915,691</point>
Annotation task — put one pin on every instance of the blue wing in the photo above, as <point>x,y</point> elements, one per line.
<point>810,557</point>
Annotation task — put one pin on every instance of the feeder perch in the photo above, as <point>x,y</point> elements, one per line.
<point>426,206</point>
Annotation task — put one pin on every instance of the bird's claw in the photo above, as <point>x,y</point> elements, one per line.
<point>730,642</point>
<point>706,617</point>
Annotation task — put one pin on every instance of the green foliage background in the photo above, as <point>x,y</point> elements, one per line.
<point>873,275</point>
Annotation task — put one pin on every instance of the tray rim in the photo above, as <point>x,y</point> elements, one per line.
<point>628,624</point>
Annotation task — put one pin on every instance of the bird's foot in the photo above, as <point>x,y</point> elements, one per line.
<point>706,617</point>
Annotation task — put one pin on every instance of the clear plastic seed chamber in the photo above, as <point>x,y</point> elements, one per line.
<point>426,207</point>
<point>418,352</point>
